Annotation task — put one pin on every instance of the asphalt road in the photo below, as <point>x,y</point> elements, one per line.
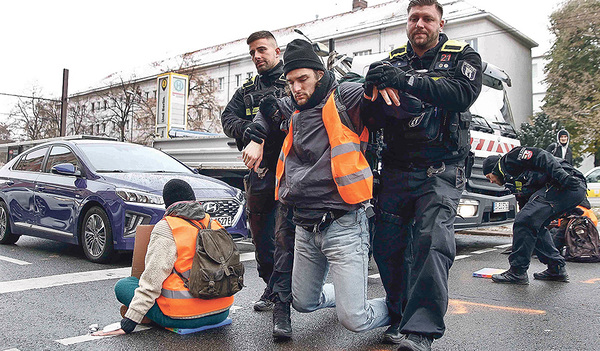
<point>50,295</point>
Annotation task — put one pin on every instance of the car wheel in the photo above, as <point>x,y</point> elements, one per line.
<point>6,237</point>
<point>96,236</point>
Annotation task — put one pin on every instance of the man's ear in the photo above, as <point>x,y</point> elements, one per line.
<point>321,74</point>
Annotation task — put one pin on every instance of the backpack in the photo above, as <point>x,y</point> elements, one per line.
<point>216,268</point>
<point>582,243</point>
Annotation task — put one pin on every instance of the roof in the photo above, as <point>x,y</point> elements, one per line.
<point>392,13</point>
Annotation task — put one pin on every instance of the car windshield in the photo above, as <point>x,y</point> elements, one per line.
<point>115,157</point>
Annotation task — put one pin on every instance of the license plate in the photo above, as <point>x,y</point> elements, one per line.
<point>500,207</point>
<point>225,221</point>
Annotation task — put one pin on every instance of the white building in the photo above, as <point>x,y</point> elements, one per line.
<point>364,30</point>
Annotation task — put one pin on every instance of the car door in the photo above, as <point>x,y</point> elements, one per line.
<point>58,197</point>
<point>21,189</point>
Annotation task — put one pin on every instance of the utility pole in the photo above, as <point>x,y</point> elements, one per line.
<point>64,103</point>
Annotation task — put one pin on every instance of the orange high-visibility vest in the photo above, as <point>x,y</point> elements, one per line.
<point>175,299</point>
<point>586,213</point>
<point>351,171</point>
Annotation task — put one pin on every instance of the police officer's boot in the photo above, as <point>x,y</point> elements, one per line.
<point>282,323</point>
<point>416,342</point>
<point>554,273</point>
<point>264,304</point>
<point>511,276</point>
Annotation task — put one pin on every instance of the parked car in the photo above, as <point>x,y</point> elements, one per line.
<point>94,193</point>
<point>592,178</point>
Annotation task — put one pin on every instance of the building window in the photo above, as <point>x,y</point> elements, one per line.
<point>238,80</point>
<point>105,104</point>
<point>147,95</point>
<point>473,43</point>
<point>362,53</point>
<point>155,94</point>
<point>92,107</point>
<point>221,83</point>
<point>534,71</point>
<point>249,75</point>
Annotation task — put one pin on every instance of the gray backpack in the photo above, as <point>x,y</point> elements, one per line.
<point>582,243</point>
<point>216,268</point>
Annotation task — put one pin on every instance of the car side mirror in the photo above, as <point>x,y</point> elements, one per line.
<point>67,169</point>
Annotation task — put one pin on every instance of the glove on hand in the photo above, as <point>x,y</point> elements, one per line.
<point>367,85</point>
<point>255,132</point>
<point>571,183</point>
<point>383,76</point>
<point>269,108</point>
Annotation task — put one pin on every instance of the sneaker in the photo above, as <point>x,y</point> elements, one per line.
<point>282,323</point>
<point>392,334</point>
<point>264,304</point>
<point>123,310</point>
<point>511,276</point>
<point>415,342</point>
<point>553,273</point>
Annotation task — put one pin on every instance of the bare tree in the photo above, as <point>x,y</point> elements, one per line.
<point>79,121</point>
<point>50,113</point>
<point>27,115</point>
<point>121,98</point>
<point>145,120</point>
<point>5,132</point>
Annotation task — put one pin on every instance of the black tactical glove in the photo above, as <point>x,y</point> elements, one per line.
<point>571,183</point>
<point>255,132</point>
<point>368,86</point>
<point>270,109</point>
<point>383,75</point>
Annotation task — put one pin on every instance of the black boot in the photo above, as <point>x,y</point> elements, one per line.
<point>553,273</point>
<point>392,334</point>
<point>415,342</point>
<point>282,323</point>
<point>511,276</point>
<point>264,304</point>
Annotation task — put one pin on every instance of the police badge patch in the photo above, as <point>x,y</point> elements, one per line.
<point>468,71</point>
<point>525,154</point>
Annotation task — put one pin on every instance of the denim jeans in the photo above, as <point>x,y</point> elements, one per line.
<point>343,249</point>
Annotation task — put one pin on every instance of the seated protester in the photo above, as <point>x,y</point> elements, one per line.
<point>545,187</point>
<point>324,178</point>
<point>558,230</point>
<point>159,294</point>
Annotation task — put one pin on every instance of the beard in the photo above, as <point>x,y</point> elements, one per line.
<point>428,43</point>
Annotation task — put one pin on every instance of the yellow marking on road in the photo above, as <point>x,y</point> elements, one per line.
<point>460,307</point>
<point>591,281</point>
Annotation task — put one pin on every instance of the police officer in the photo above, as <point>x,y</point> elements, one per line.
<point>430,83</point>
<point>545,187</point>
<point>237,123</point>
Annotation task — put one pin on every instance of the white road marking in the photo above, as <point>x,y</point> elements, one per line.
<point>247,256</point>
<point>375,276</point>
<point>479,252</point>
<point>13,349</point>
<point>460,257</point>
<point>89,337</point>
<point>13,260</point>
<point>503,246</point>
<point>234,308</point>
<point>63,279</point>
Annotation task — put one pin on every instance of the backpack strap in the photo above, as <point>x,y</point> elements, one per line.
<point>342,110</point>
<point>199,227</point>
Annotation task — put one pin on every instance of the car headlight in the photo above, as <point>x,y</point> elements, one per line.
<point>129,195</point>
<point>467,208</point>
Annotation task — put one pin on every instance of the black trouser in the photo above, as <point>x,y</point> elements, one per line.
<point>414,244</point>
<point>285,235</point>
<point>529,230</point>
<point>261,208</point>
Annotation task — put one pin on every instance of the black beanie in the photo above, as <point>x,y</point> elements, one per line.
<point>177,190</point>
<point>300,54</point>
<point>489,163</point>
<point>562,132</point>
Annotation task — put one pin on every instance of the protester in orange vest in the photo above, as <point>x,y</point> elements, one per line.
<point>323,175</point>
<point>159,295</point>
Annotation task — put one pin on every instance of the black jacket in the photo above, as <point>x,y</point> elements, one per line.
<point>528,169</point>
<point>235,120</point>
<point>452,95</point>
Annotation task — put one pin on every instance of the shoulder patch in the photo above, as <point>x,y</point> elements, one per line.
<point>249,82</point>
<point>525,154</point>
<point>468,71</point>
<point>398,52</point>
<point>454,46</point>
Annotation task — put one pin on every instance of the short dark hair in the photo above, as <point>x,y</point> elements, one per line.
<point>438,6</point>
<point>261,34</point>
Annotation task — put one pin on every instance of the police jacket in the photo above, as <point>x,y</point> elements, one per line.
<point>447,79</point>
<point>527,169</point>
<point>308,182</point>
<point>240,111</point>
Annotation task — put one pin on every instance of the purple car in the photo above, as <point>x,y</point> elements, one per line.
<point>94,193</point>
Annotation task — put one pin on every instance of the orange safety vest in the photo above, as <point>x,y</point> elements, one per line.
<point>351,171</point>
<point>175,299</point>
<point>586,213</point>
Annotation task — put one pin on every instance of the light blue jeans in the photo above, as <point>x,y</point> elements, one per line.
<point>343,249</point>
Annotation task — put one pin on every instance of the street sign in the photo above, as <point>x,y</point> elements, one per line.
<point>171,104</point>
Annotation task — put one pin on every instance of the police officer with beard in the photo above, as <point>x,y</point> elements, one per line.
<point>237,123</point>
<point>428,86</point>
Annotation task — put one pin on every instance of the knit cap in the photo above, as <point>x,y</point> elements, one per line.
<point>300,54</point>
<point>177,190</point>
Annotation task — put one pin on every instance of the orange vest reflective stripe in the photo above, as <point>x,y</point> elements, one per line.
<point>349,167</point>
<point>175,299</point>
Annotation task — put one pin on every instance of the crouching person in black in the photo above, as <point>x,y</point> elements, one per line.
<point>545,187</point>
